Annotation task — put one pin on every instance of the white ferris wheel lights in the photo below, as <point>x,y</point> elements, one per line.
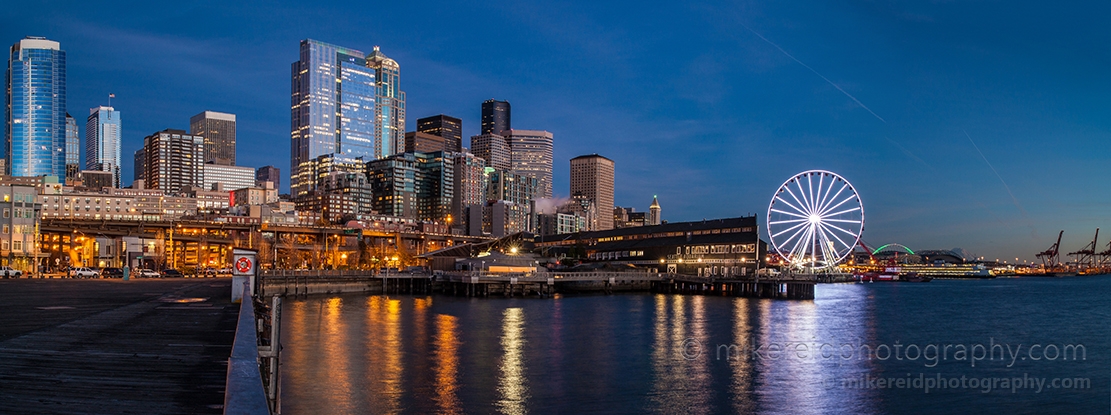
<point>817,222</point>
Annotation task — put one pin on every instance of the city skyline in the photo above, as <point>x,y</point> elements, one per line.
<point>938,131</point>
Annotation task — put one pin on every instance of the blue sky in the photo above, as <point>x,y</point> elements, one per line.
<point>687,98</point>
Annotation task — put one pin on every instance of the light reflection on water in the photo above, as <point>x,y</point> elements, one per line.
<point>632,353</point>
<point>512,384</point>
<point>447,365</point>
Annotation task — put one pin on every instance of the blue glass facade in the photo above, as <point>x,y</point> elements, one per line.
<point>390,111</point>
<point>344,102</point>
<point>35,113</point>
<point>102,142</point>
<point>332,109</point>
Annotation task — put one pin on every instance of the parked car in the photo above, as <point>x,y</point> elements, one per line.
<point>9,272</point>
<point>207,272</point>
<point>83,272</point>
<point>111,273</point>
<point>172,273</point>
<point>146,273</point>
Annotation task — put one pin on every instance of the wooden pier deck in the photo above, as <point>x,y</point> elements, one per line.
<point>111,346</point>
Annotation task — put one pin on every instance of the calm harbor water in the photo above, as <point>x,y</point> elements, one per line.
<point>863,348</point>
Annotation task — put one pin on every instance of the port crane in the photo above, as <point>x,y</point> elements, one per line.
<point>1105,255</point>
<point>1086,256</point>
<point>1052,256</point>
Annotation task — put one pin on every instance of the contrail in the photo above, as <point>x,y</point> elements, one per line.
<point>815,73</point>
<point>1013,198</point>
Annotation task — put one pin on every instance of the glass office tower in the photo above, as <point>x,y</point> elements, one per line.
<point>390,105</point>
<point>332,106</point>
<point>102,142</point>
<point>35,125</point>
<point>345,103</point>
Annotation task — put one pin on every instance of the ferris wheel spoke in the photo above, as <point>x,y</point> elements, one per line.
<point>842,212</point>
<point>802,193</point>
<point>790,229</point>
<point>825,243</point>
<point>788,221</point>
<point>839,220</point>
<point>834,235</point>
<point>818,197</point>
<point>806,244</point>
<point>795,253</point>
<point>854,235</point>
<point>797,232</point>
<point>813,240</point>
<point>835,195</point>
<point>792,207</point>
<point>810,187</point>
<point>788,189</point>
<point>823,212</point>
<point>779,222</point>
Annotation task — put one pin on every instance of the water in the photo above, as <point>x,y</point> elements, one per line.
<point>640,353</point>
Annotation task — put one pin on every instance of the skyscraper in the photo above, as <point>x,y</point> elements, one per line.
<point>325,118</point>
<point>531,155</point>
<point>102,141</point>
<point>73,149</point>
<point>35,126</point>
<point>495,116</point>
<point>389,105</point>
<point>592,177</point>
<point>218,130</point>
<point>343,102</point>
<point>450,128</point>
<point>141,164</point>
<point>494,149</point>
<point>470,186</point>
<point>173,161</point>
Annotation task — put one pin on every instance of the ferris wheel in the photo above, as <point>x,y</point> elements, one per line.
<point>815,219</point>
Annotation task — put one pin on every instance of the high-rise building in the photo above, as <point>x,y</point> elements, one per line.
<point>35,124</point>
<point>269,174</point>
<point>343,102</point>
<point>418,142</point>
<point>592,177</point>
<point>495,117</point>
<point>494,149</point>
<point>103,137</point>
<point>654,217</point>
<point>326,119</point>
<point>140,164</point>
<point>509,202</point>
<point>448,127</point>
<point>435,186</point>
<point>393,181</point>
<point>73,149</point>
<point>228,178</point>
<point>470,185</point>
<point>531,155</point>
<point>389,105</point>
<point>173,161</point>
<point>218,130</point>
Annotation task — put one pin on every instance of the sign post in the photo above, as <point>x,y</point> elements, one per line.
<point>244,270</point>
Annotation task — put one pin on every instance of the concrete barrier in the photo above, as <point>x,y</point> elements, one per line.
<point>244,393</point>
